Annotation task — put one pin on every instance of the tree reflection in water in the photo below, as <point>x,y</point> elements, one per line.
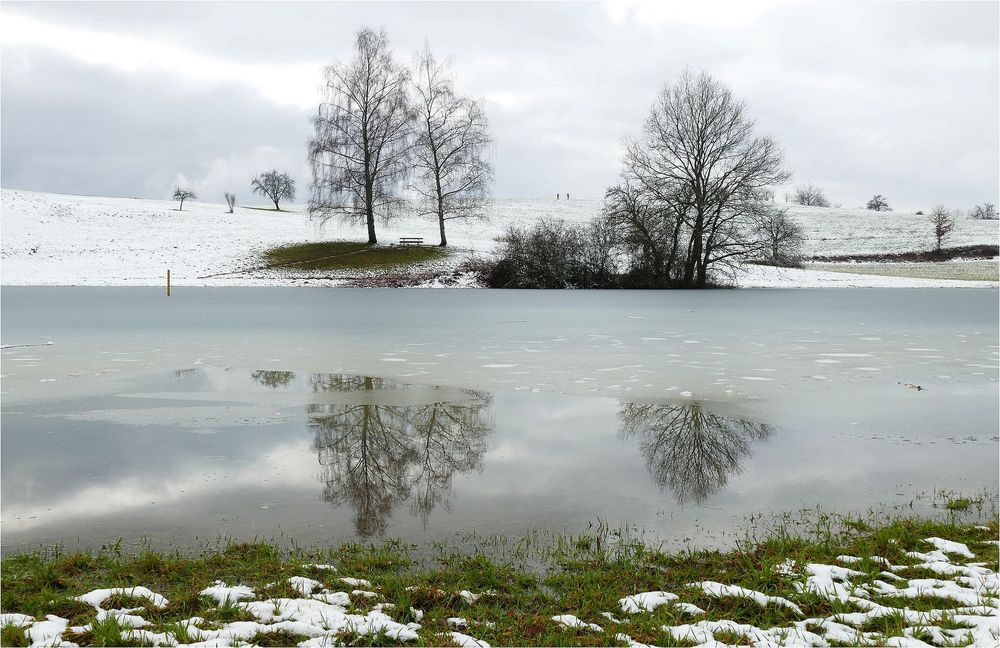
<point>376,455</point>
<point>689,449</point>
<point>273,379</point>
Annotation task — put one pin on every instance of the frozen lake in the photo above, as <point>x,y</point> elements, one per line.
<point>320,415</point>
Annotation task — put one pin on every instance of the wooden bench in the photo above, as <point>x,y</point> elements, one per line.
<point>412,240</point>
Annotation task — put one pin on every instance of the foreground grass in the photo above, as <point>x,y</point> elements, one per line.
<point>350,255</point>
<point>584,576</point>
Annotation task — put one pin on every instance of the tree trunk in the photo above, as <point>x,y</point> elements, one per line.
<point>181,208</point>
<point>444,240</point>
<point>440,192</point>
<point>370,214</point>
<point>276,208</point>
<point>371,226</point>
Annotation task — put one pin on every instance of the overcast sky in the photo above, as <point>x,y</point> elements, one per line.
<point>130,99</point>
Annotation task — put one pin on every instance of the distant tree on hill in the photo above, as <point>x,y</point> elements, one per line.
<point>182,195</point>
<point>943,222</point>
<point>986,211</point>
<point>275,185</point>
<point>878,203</point>
<point>452,140</point>
<point>231,201</point>
<point>811,196</point>
<point>781,238</point>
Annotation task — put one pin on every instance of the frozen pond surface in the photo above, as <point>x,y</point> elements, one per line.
<point>325,415</point>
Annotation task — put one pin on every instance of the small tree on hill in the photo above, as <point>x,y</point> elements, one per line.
<point>182,195</point>
<point>811,196</point>
<point>943,222</point>
<point>781,238</point>
<point>231,201</point>
<point>275,185</point>
<point>878,203</point>
<point>986,211</point>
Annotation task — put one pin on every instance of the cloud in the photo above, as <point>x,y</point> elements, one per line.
<point>285,84</point>
<point>894,98</point>
<point>94,130</point>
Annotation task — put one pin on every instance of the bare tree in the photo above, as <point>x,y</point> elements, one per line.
<point>182,195</point>
<point>272,378</point>
<point>362,140</point>
<point>878,203</point>
<point>377,455</point>
<point>986,211</point>
<point>275,185</point>
<point>781,238</point>
<point>231,201</point>
<point>648,229</point>
<point>549,254</point>
<point>452,139</point>
<point>699,154</point>
<point>449,438</point>
<point>689,449</point>
<point>943,222</point>
<point>810,196</point>
<point>364,450</point>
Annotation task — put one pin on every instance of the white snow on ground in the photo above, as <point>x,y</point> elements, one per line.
<point>647,601</point>
<point>972,587</point>
<point>465,641</point>
<point>224,595</point>
<point>756,276</point>
<point>304,586</point>
<point>718,590</point>
<point>571,621</point>
<point>55,239</point>
<point>948,546</point>
<point>97,597</point>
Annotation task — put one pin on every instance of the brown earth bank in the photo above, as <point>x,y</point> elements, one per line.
<point>946,254</point>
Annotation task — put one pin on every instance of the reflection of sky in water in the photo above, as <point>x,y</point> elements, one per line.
<point>326,457</point>
<point>676,415</point>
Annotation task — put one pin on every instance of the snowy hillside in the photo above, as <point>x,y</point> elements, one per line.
<point>53,239</point>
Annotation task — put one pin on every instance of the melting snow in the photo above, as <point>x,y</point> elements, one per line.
<point>647,601</point>
<point>224,594</point>
<point>323,617</point>
<point>571,621</point>
<point>719,590</point>
<point>465,641</point>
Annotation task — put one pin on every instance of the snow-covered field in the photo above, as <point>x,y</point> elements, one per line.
<point>53,239</point>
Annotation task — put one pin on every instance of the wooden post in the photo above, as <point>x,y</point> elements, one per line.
<point>168,283</point>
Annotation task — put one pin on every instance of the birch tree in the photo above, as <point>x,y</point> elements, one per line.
<point>451,142</point>
<point>359,153</point>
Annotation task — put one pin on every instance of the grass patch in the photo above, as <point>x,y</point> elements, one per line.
<point>960,504</point>
<point>962,271</point>
<point>583,576</point>
<point>350,255</point>
<point>13,636</point>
